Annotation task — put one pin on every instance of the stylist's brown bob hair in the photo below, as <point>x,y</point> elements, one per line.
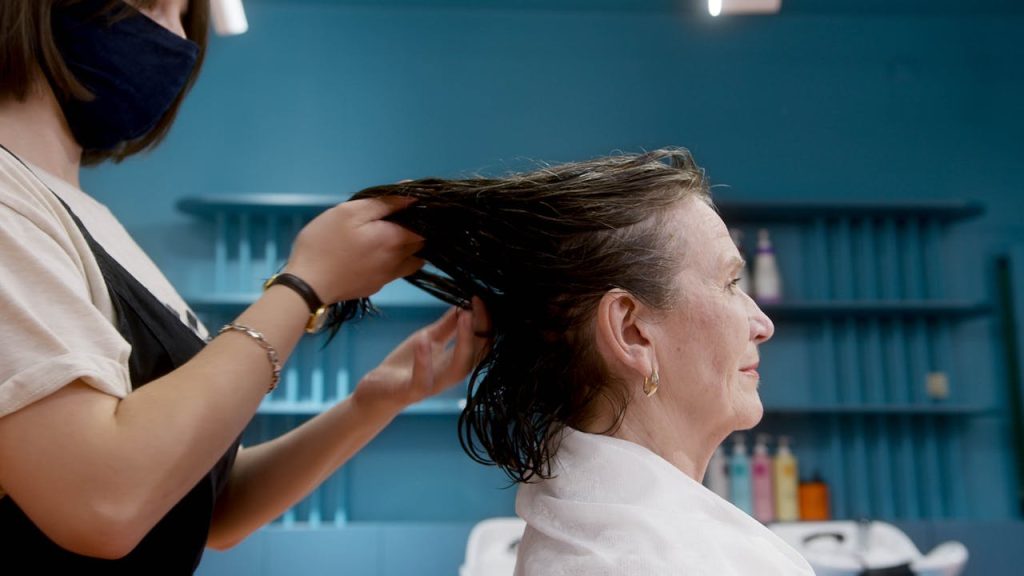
<point>28,54</point>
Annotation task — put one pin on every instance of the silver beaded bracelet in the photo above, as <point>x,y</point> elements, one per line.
<point>275,363</point>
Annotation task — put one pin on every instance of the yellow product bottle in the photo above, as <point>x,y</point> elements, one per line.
<point>787,507</point>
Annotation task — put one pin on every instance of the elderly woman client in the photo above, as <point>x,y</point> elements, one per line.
<point>623,353</point>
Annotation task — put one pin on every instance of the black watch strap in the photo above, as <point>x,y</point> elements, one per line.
<point>299,285</point>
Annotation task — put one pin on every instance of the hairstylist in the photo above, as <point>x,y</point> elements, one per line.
<point>119,423</point>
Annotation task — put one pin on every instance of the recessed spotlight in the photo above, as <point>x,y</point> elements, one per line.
<point>717,7</point>
<point>228,17</point>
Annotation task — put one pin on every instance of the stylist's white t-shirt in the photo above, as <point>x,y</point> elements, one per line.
<point>56,317</point>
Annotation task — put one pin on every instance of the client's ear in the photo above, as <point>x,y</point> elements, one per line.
<point>623,336</point>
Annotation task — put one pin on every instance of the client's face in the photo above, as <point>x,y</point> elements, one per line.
<point>707,344</point>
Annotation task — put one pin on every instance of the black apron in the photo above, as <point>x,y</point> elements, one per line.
<point>160,343</point>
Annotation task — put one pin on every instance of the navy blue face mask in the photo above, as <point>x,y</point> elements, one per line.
<point>133,66</point>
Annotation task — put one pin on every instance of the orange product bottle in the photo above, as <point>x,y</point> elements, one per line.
<point>813,496</point>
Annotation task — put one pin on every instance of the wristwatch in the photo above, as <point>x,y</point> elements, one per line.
<point>318,311</point>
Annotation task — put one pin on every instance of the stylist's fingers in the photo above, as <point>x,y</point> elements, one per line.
<point>423,377</point>
<point>481,318</point>
<point>391,235</point>
<point>482,330</point>
<point>440,334</point>
<point>395,239</point>
<point>369,209</point>
<point>463,354</point>
<point>442,329</point>
<point>409,266</point>
<point>395,246</point>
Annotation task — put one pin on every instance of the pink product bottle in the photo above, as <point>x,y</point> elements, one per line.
<point>761,473</point>
<point>767,280</point>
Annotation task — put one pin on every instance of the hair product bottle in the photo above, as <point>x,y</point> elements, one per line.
<point>814,499</point>
<point>739,476</point>
<point>787,508</point>
<point>761,466</point>
<point>767,281</point>
<point>737,238</point>
<point>717,477</point>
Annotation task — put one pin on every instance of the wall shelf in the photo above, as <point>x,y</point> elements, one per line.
<point>784,211</point>
<point>428,407</point>
<point>388,300</point>
<point>270,204</point>
<point>454,406</point>
<point>814,310</point>
<point>396,299</point>
<point>870,319</point>
<point>736,210</point>
<point>887,409</point>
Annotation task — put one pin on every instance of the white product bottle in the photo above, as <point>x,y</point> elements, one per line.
<point>737,238</point>
<point>761,471</point>
<point>787,507</point>
<point>717,476</point>
<point>767,281</point>
<point>740,489</point>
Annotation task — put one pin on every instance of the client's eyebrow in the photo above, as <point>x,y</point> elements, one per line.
<point>735,263</point>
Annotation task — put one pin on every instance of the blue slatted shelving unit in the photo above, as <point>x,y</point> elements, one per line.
<point>866,322</point>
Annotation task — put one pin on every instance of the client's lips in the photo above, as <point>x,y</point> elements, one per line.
<point>751,369</point>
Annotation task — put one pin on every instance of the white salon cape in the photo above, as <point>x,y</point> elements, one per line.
<point>616,508</point>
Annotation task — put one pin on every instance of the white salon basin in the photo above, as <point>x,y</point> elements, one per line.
<point>850,548</point>
<point>493,546</point>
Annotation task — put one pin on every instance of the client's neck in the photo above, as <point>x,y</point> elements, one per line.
<point>673,445</point>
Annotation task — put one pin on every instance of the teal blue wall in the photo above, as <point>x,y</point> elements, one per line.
<point>904,100</point>
<point>328,97</point>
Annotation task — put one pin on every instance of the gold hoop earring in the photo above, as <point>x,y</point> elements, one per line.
<point>651,383</point>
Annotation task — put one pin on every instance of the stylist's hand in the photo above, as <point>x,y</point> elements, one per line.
<point>349,252</point>
<point>429,361</point>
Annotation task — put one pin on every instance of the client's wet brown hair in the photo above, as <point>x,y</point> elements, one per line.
<point>541,249</point>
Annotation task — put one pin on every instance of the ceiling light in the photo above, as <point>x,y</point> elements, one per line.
<point>228,17</point>
<point>716,7</point>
